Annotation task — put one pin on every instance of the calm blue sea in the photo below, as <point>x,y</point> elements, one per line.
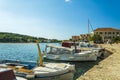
<point>21,51</point>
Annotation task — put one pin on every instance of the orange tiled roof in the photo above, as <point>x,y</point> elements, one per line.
<point>106,29</point>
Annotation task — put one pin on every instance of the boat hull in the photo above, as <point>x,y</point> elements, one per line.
<point>69,57</point>
<point>67,76</point>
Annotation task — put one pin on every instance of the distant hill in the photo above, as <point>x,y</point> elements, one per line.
<point>18,38</point>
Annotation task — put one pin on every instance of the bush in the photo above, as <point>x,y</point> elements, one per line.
<point>97,39</point>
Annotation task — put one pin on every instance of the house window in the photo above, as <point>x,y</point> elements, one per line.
<point>109,32</point>
<point>101,33</point>
<point>105,32</point>
<point>113,32</point>
<point>117,32</point>
<point>109,37</point>
<point>96,32</point>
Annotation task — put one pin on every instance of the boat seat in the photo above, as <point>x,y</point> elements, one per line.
<point>25,70</point>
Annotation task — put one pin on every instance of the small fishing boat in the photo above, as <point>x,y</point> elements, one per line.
<point>54,71</point>
<point>60,53</point>
<point>40,70</point>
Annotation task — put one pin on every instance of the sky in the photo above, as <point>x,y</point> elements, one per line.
<point>57,19</point>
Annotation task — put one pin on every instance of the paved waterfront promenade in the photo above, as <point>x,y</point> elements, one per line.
<point>108,69</point>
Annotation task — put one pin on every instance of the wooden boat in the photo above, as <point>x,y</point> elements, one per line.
<point>55,71</point>
<point>68,54</point>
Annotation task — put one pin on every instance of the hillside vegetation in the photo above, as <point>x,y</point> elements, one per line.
<point>18,38</point>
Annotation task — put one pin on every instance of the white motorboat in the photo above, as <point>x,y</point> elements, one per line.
<point>68,54</point>
<point>54,71</point>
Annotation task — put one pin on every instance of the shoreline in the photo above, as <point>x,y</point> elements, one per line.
<point>12,43</point>
<point>25,43</point>
<point>108,68</point>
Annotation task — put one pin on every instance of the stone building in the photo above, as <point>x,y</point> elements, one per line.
<point>107,33</point>
<point>85,37</point>
<point>75,38</point>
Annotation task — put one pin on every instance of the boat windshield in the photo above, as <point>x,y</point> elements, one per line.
<point>58,49</point>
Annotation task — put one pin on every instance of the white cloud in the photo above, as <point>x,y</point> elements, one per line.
<point>67,0</point>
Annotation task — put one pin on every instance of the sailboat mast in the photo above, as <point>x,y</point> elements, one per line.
<point>88,26</point>
<point>39,54</point>
<point>88,30</point>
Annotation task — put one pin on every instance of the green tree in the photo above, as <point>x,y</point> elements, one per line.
<point>97,38</point>
<point>116,39</point>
